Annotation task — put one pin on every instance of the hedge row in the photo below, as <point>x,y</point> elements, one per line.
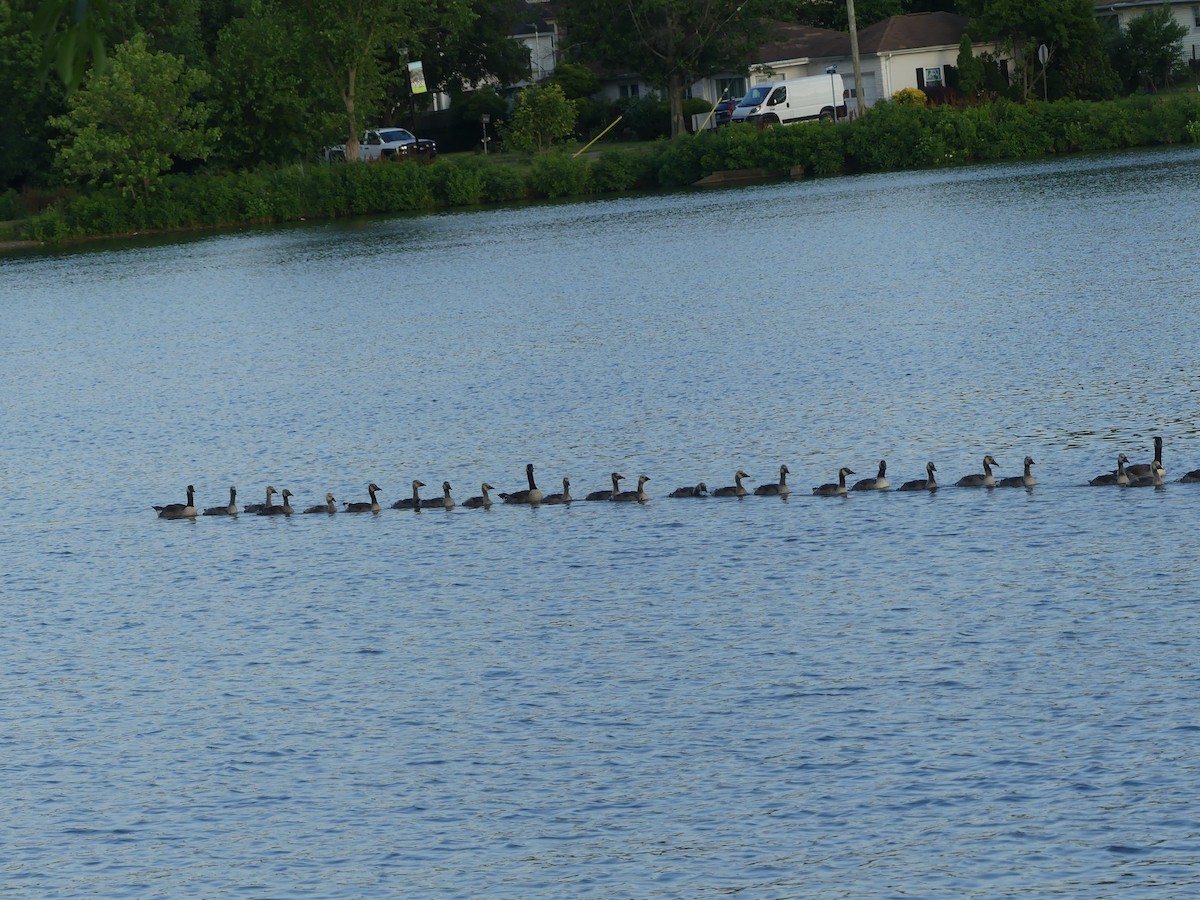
<point>890,137</point>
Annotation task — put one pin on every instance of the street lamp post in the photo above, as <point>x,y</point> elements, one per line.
<point>831,71</point>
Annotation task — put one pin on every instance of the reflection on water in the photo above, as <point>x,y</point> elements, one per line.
<point>974,693</point>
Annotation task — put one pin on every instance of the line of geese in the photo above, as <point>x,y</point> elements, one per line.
<point>1140,475</point>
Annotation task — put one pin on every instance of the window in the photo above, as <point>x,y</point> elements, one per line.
<point>629,90</point>
<point>933,76</point>
<point>1196,16</point>
<point>733,88</point>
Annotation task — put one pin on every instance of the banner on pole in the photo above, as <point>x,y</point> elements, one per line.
<point>416,77</point>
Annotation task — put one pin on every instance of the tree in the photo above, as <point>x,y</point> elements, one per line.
<point>541,115</point>
<point>350,40</point>
<point>1069,30</point>
<point>670,43</point>
<point>970,69</point>
<point>1149,48</point>
<point>272,105</point>
<point>26,99</point>
<point>127,126</point>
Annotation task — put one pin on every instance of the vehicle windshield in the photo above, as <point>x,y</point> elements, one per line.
<point>392,135</point>
<point>756,95</point>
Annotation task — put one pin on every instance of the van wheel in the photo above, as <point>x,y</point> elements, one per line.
<point>826,115</point>
<point>767,122</point>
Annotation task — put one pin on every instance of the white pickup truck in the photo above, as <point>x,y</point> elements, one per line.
<point>387,143</point>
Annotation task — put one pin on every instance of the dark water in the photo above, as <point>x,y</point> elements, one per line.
<point>970,694</point>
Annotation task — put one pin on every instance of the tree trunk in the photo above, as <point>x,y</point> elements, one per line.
<point>675,97</point>
<point>352,147</point>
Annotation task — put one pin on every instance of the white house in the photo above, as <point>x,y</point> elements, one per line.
<point>902,51</point>
<point>1186,14</point>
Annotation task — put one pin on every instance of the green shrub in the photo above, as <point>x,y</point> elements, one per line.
<point>558,175</point>
<point>459,183</point>
<point>502,184</point>
<point>10,206</point>
<point>613,172</point>
<point>49,226</point>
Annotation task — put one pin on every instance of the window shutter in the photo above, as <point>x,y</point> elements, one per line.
<point>921,79</point>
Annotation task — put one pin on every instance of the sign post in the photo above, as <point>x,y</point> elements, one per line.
<point>1043,57</point>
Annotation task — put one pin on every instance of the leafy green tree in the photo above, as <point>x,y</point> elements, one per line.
<point>72,31</point>
<point>670,43</point>
<point>541,116</point>
<point>833,13</point>
<point>461,46</point>
<point>1147,51</point>
<point>577,81</point>
<point>26,98</point>
<point>127,126</point>
<point>1069,30</point>
<point>355,42</point>
<point>970,69</point>
<point>272,105</point>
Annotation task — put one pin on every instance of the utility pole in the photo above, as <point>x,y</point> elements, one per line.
<point>860,90</point>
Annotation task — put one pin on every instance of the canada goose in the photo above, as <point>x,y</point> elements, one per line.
<point>485,501</point>
<point>259,507</point>
<point>606,495</point>
<point>878,483</point>
<point>698,491</point>
<point>179,510</point>
<point>230,510</point>
<point>987,479</point>
<point>1147,469</point>
<point>1153,480</point>
<point>443,502</point>
<point>360,506</point>
<point>1191,477</point>
<point>775,490</point>
<point>735,489</point>
<point>413,502</point>
<point>639,495</point>
<point>530,495</point>
<point>285,509</point>
<point>1118,477</point>
<point>561,499</point>
<point>928,483</point>
<point>1026,480</point>
<point>327,507</point>
<point>834,489</point>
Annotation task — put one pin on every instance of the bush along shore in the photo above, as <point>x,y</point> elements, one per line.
<point>890,137</point>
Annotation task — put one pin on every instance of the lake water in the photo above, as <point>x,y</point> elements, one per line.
<point>964,694</point>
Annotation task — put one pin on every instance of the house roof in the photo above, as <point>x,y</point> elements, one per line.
<point>894,34</point>
<point>928,29</point>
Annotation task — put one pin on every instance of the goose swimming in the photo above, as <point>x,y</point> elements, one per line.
<point>413,502</point>
<point>228,510</point>
<point>698,491</point>
<point>484,501</point>
<point>735,489</point>
<point>834,488</point>
<point>285,509</point>
<point>878,483</point>
<point>443,502</point>
<point>1026,480</point>
<point>1118,477</point>
<point>606,495</point>
<point>560,499</point>
<point>179,510</point>
<point>928,483</point>
<point>362,506</point>
<point>775,490</point>
<point>530,495</point>
<point>327,507</point>
<point>639,496</point>
<point>259,507</point>
<point>986,479</point>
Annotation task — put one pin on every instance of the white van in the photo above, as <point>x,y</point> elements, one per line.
<point>781,102</point>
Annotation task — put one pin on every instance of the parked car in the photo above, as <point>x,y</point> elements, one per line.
<point>388,143</point>
<point>725,111</point>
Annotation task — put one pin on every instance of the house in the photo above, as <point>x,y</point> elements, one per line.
<point>1186,14</point>
<point>914,51</point>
